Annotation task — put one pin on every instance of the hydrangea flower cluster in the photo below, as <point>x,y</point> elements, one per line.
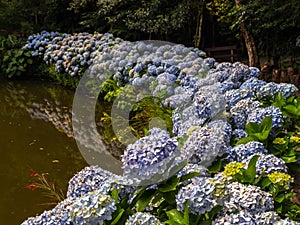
<point>240,111</point>
<point>94,178</point>
<point>201,194</point>
<point>268,163</point>
<point>207,103</point>
<point>281,179</point>
<point>141,218</point>
<point>232,169</point>
<point>249,198</point>
<point>241,218</point>
<point>242,152</point>
<point>68,53</point>
<point>150,156</point>
<point>93,208</point>
<point>208,142</point>
<point>271,89</point>
<point>38,42</point>
<point>89,179</point>
<point>258,115</point>
<point>59,215</point>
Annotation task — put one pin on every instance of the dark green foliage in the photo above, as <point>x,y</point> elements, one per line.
<point>14,60</point>
<point>258,132</point>
<point>64,79</point>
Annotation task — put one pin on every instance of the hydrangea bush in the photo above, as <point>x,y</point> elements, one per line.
<point>227,161</point>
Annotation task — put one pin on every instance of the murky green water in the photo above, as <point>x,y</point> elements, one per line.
<point>35,135</point>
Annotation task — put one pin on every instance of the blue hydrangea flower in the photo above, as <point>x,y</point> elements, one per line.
<point>206,143</point>
<point>266,218</point>
<point>287,90</point>
<point>235,95</point>
<point>239,72</point>
<point>150,157</point>
<point>259,114</point>
<point>60,215</point>
<point>241,218</point>
<point>253,84</point>
<point>269,163</point>
<point>247,197</point>
<point>239,134</point>
<point>87,180</point>
<point>201,194</point>
<point>242,152</point>
<point>141,218</point>
<point>268,90</point>
<point>239,112</point>
<point>92,208</point>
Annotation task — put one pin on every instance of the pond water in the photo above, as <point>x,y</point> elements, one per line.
<point>35,136</point>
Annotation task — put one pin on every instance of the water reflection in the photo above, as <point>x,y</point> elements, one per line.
<point>31,114</point>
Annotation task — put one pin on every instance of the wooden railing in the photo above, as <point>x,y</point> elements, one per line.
<point>224,53</point>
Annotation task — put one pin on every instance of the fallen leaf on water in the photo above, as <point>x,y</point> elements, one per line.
<point>55,161</point>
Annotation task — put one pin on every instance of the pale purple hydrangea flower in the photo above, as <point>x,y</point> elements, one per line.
<point>202,195</point>
<point>141,218</point>
<point>206,143</point>
<point>92,208</point>
<point>241,218</point>
<point>151,157</point>
<point>247,197</point>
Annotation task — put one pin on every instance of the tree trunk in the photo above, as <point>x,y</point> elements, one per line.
<point>250,46</point>
<point>199,25</point>
<point>249,42</point>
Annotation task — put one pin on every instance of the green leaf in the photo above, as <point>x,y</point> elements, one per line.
<point>170,197</point>
<point>280,198</point>
<point>216,166</point>
<point>115,194</point>
<point>186,213</point>
<point>170,184</point>
<point>29,61</point>
<point>265,183</point>
<point>250,172</point>
<point>292,110</point>
<point>245,140</point>
<point>289,159</point>
<point>145,199</point>
<point>5,58</point>
<point>189,176</point>
<point>252,128</point>
<point>175,217</point>
<point>118,217</point>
